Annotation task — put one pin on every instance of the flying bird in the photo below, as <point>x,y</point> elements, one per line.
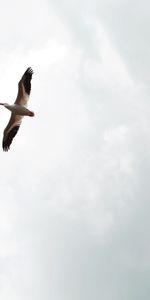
<point>18,109</point>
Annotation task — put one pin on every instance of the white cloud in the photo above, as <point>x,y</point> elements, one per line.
<point>75,185</point>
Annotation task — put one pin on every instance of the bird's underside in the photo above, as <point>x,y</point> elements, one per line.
<point>18,109</point>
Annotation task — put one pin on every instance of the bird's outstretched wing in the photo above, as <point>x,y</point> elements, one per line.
<point>24,88</point>
<point>11,130</point>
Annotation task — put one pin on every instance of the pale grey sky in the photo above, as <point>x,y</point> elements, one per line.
<point>74,188</point>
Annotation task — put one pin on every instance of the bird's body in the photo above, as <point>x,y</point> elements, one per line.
<point>18,109</point>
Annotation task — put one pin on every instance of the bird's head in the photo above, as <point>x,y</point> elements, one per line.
<point>4,104</point>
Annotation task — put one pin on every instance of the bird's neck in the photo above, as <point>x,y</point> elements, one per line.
<point>8,106</point>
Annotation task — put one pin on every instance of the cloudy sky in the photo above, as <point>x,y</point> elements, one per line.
<point>74,188</point>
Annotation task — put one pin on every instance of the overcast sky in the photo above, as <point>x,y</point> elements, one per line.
<point>74,188</point>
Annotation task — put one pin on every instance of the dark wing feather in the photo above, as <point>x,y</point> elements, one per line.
<point>26,79</point>
<point>24,87</point>
<point>7,140</point>
<point>11,130</point>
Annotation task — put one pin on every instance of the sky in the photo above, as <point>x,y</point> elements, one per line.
<point>74,187</point>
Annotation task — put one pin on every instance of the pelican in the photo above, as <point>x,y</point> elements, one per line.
<point>18,109</point>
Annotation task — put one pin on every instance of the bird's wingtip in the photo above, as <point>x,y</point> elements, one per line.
<point>30,70</point>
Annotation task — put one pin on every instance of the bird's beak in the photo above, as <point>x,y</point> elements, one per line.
<point>1,103</point>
